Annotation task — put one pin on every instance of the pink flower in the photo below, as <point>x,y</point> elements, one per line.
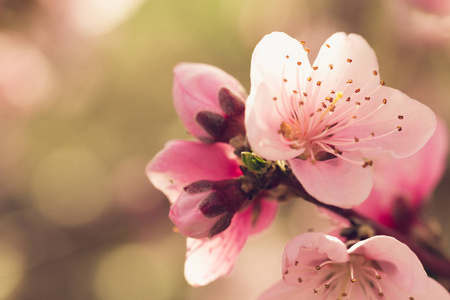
<point>319,266</point>
<point>329,120</point>
<point>209,101</point>
<point>401,186</point>
<point>185,163</point>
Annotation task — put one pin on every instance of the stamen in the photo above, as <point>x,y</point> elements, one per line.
<point>339,95</point>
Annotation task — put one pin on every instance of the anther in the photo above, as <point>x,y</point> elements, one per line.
<point>332,92</point>
<point>400,117</point>
<point>301,103</point>
<point>372,133</point>
<point>411,298</point>
<point>367,98</point>
<point>328,98</point>
<point>315,68</point>
<point>353,280</point>
<point>384,101</point>
<point>294,91</point>
<point>299,63</point>
<point>357,90</point>
<point>305,94</point>
<point>324,105</point>
<point>349,60</point>
<point>302,42</point>
<point>296,263</point>
<point>274,98</point>
<point>381,294</point>
<point>286,272</point>
<point>327,286</point>
<point>348,99</point>
<point>287,56</point>
<point>358,103</point>
<point>319,83</point>
<point>327,45</point>
<point>356,139</point>
<point>318,268</point>
<point>331,66</point>
<point>349,81</point>
<point>307,50</point>
<point>344,294</point>
<point>315,291</point>
<point>378,277</point>
<point>382,82</point>
<point>284,79</point>
<point>299,280</point>
<point>399,128</point>
<point>309,78</point>
<point>375,72</point>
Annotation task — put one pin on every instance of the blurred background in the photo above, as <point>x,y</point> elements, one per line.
<point>85,103</point>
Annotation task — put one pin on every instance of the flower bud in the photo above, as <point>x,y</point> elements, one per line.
<point>206,208</point>
<point>209,102</point>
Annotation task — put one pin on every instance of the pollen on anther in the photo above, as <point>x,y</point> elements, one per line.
<point>327,286</point>
<point>318,268</point>
<point>307,50</point>
<point>382,82</point>
<point>375,72</point>
<point>287,56</point>
<point>384,101</point>
<point>400,117</point>
<point>378,277</point>
<point>315,68</point>
<point>309,78</point>
<point>399,128</point>
<point>324,105</point>
<point>319,83</point>
<point>349,81</point>
<point>349,60</point>
<point>367,98</point>
<point>357,90</point>
<point>333,92</point>
<point>328,98</point>
<point>331,66</point>
<point>348,99</point>
<point>354,117</point>
<point>302,42</point>
<point>294,91</point>
<point>284,79</point>
<point>327,45</point>
<point>381,294</point>
<point>358,103</point>
<point>353,280</point>
<point>299,63</point>
<point>305,94</point>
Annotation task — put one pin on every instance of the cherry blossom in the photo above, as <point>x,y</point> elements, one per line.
<point>331,119</point>
<point>318,266</point>
<point>178,165</point>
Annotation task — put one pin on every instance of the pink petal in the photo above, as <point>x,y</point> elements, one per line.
<point>275,58</point>
<point>267,211</point>
<point>435,291</point>
<point>334,68</point>
<point>417,124</point>
<point>334,181</point>
<point>183,162</point>
<point>284,291</point>
<point>196,87</point>
<point>209,259</point>
<point>313,248</point>
<point>396,260</point>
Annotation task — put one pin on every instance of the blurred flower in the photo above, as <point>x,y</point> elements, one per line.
<point>209,101</point>
<point>26,78</point>
<point>328,120</point>
<point>438,7</point>
<point>319,266</point>
<point>181,163</point>
<point>401,186</point>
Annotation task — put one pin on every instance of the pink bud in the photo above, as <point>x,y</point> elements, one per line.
<point>186,215</point>
<point>196,92</point>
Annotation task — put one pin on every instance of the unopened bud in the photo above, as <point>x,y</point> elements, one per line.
<point>254,162</point>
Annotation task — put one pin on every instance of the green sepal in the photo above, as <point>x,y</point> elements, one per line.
<point>254,162</point>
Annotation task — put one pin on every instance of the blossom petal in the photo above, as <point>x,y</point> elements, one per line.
<point>209,259</point>
<point>334,181</point>
<point>395,259</point>
<point>267,211</point>
<point>183,162</point>
<point>275,71</point>
<point>435,291</point>
<point>401,126</point>
<point>284,291</point>
<point>313,248</point>
<point>344,63</point>
<point>196,88</point>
